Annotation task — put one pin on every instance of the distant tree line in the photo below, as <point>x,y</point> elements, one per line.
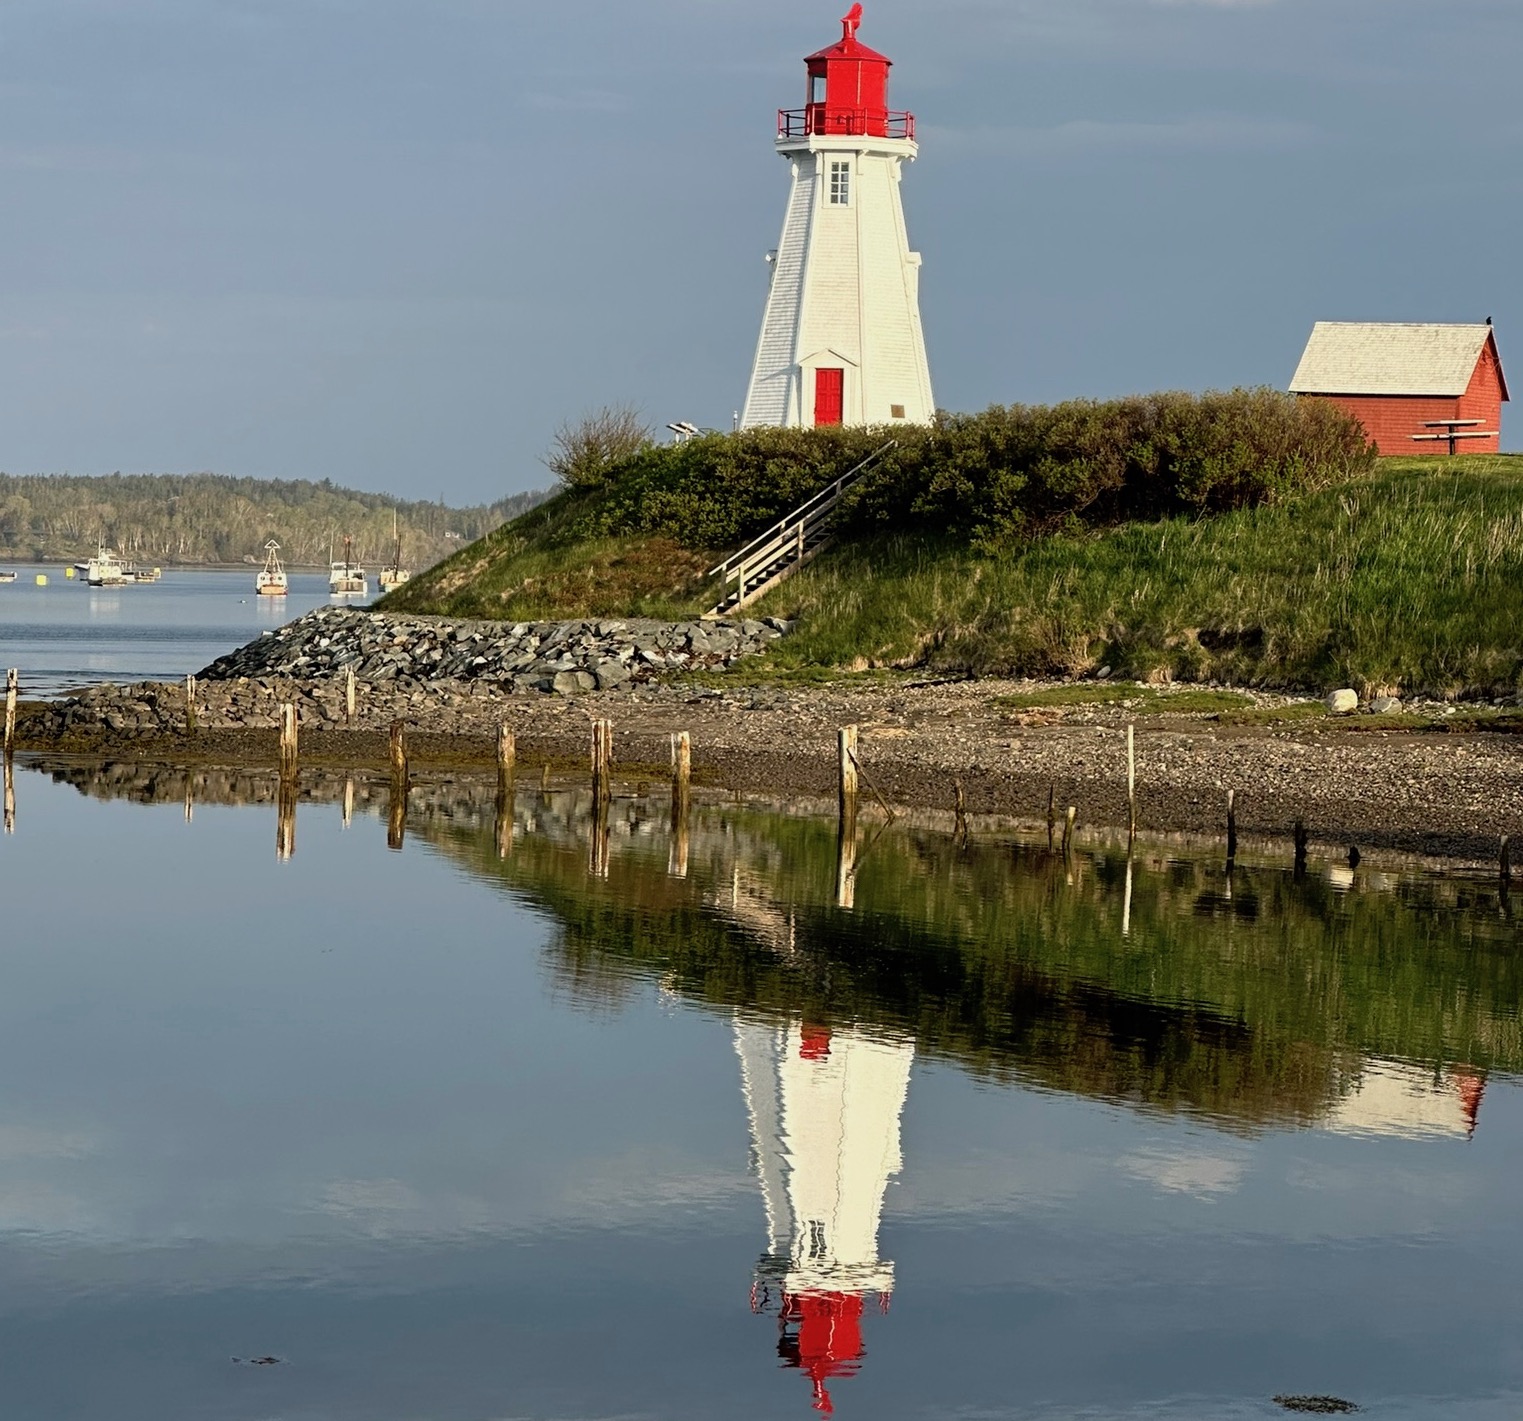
<point>169,519</point>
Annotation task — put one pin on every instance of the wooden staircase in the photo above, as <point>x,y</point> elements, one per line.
<point>786,546</point>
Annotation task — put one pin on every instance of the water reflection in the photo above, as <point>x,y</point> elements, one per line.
<point>824,1108</point>
<point>1182,1042</point>
<point>1353,1000</point>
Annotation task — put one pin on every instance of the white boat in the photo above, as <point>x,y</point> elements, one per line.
<point>393,575</point>
<point>271,581</point>
<point>7,576</point>
<point>347,578</point>
<point>105,570</point>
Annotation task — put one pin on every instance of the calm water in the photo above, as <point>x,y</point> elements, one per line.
<point>519,1122</point>
<point>67,634</point>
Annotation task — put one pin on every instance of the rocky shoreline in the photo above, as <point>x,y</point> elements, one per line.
<point>567,658</point>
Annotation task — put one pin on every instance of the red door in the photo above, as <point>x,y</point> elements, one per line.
<point>829,396</point>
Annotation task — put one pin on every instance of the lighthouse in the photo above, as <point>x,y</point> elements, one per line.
<point>841,341</point>
<point>825,1109</point>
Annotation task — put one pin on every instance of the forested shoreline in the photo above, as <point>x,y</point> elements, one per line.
<point>211,519</point>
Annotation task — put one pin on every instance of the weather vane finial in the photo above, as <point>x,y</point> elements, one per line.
<point>851,22</point>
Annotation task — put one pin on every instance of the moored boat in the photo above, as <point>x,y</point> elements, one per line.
<point>7,576</point>
<point>347,578</point>
<point>105,570</point>
<point>393,575</point>
<point>271,581</point>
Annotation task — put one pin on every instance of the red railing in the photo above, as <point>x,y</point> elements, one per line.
<point>819,120</point>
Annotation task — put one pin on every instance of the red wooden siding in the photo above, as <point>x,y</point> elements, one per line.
<point>1392,420</point>
<point>830,396</point>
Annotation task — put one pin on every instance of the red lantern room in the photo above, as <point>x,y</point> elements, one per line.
<point>848,93</point>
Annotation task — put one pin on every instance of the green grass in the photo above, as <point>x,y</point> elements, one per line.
<point>1409,579</point>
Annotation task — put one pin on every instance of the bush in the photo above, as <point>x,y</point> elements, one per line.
<point>994,479</point>
<point>585,452</point>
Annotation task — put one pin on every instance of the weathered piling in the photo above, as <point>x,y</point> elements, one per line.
<point>846,779</point>
<point>507,756</point>
<point>349,696</point>
<point>1069,820</point>
<point>190,703</point>
<point>1131,781</point>
<point>598,852</point>
<point>10,796</point>
<point>396,806</point>
<point>602,761</point>
<point>846,861</point>
<point>12,690</point>
<point>288,745</point>
<point>1354,856</point>
<point>960,810</point>
<point>1231,827</point>
<point>1505,866</point>
<point>682,770</point>
<point>1301,839</point>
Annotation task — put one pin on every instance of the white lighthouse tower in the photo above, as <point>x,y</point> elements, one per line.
<point>824,1110</point>
<point>841,341</point>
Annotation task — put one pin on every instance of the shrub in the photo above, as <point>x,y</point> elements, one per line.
<point>994,479</point>
<point>585,452</point>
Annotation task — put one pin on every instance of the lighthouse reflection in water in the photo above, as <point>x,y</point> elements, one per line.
<point>825,1109</point>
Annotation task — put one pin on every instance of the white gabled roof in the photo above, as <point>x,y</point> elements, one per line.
<point>1371,358</point>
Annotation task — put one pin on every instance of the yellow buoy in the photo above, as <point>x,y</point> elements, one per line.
<point>68,572</point>
<point>42,579</point>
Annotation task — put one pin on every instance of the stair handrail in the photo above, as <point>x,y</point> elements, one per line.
<point>802,513</point>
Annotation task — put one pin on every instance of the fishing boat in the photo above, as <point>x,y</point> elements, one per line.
<point>393,575</point>
<point>347,578</point>
<point>271,581</point>
<point>105,570</point>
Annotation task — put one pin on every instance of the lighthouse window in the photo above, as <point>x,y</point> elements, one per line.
<point>817,88</point>
<point>840,184</point>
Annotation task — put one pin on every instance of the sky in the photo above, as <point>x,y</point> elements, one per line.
<point>395,243</point>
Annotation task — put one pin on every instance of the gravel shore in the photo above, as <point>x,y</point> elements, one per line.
<point>1358,780</point>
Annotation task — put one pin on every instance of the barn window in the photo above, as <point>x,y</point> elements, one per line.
<point>840,184</point>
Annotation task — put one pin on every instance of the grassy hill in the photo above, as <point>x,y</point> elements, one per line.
<point>1407,576</point>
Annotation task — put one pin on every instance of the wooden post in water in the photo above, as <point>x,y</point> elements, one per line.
<point>288,751</point>
<point>1131,782</point>
<point>847,773</point>
<point>348,804</point>
<point>502,823</point>
<point>190,702</point>
<point>396,808</point>
<point>12,690</point>
<point>602,761</point>
<point>349,696</point>
<point>1126,902</point>
<point>960,802</point>
<point>190,797</point>
<point>10,796</point>
<point>1052,815</point>
<point>1068,830</point>
<point>682,769</point>
<point>1231,827</point>
<point>507,756</point>
<point>682,776</point>
<point>846,860</point>
<point>1301,839</point>
<point>1506,864</point>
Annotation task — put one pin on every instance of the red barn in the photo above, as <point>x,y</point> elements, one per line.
<point>1397,379</point>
